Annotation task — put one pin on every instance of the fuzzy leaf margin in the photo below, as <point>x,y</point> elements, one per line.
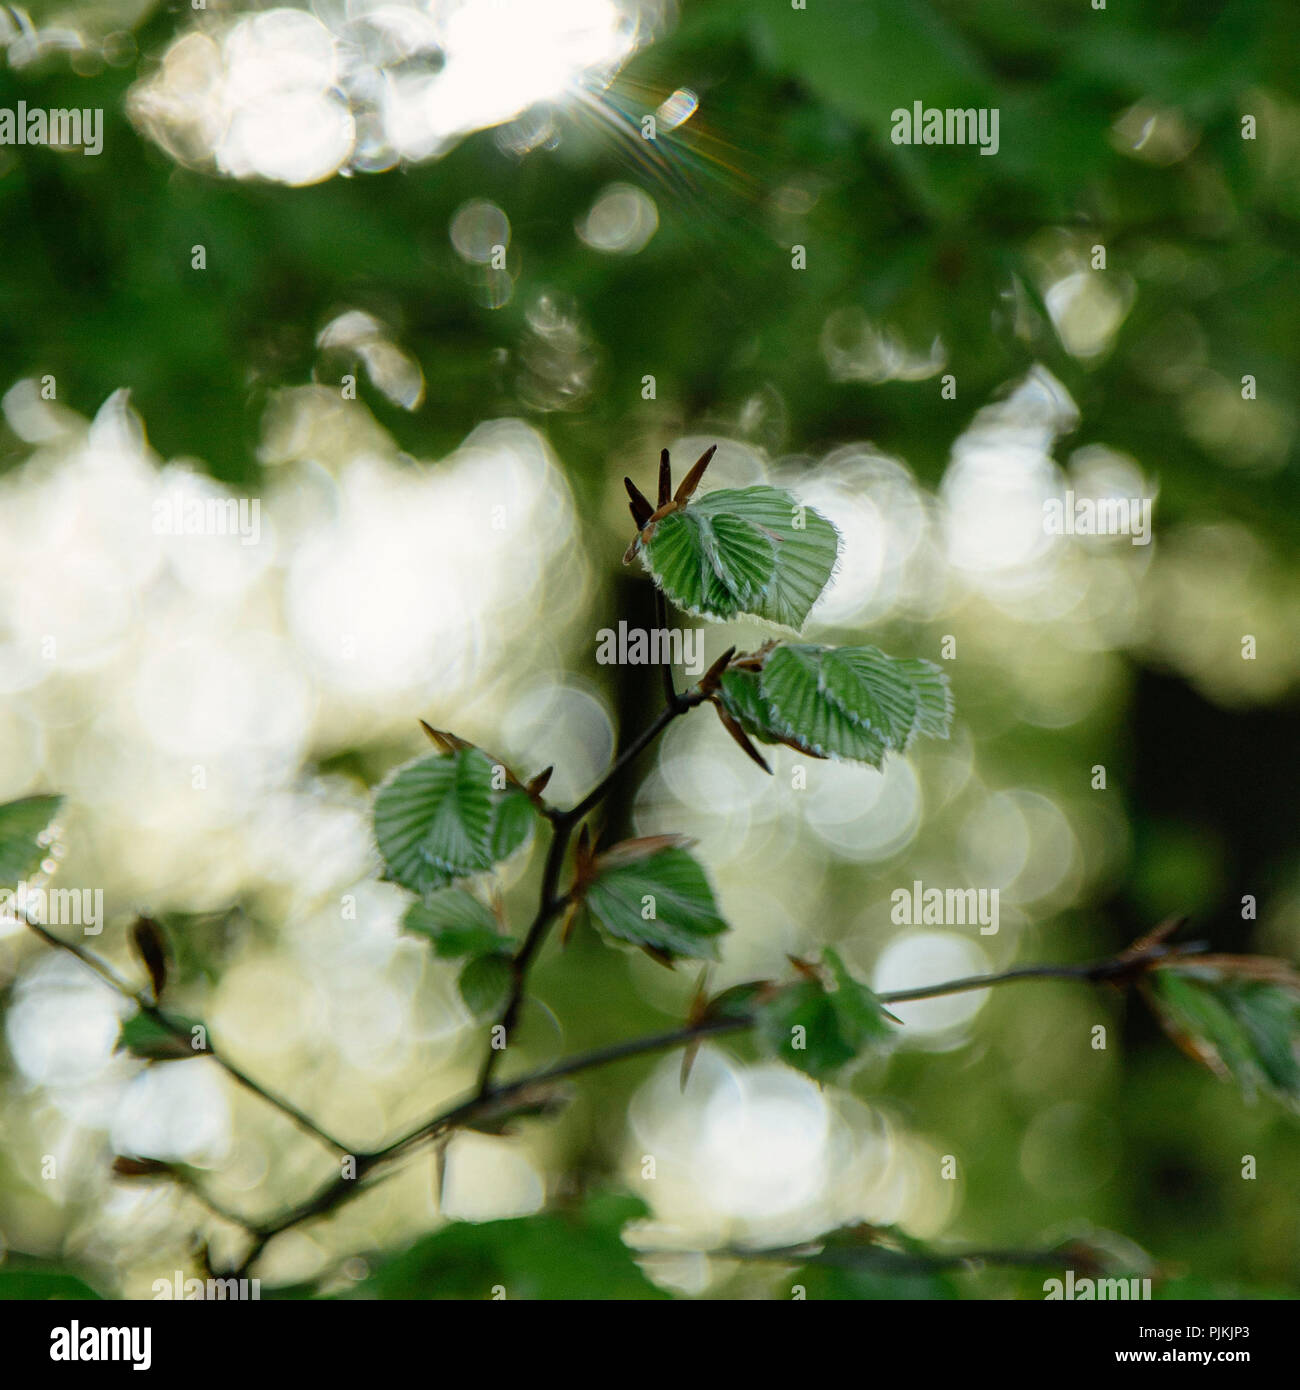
<point>440,818</point>
<point>849,703</point>
<point>1238,1016</point>
<point>655,895</point>
<point>823,1021</point>
<point>755,551</point>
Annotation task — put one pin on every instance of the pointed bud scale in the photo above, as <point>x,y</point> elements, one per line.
<point>443,742</point>
<point>569,919</point>
<point>635,851</point>
<point>689,1054</point>
<point>147,938</point>
<point>642,511</point>
<point>125,1167</point>
<point>692,480</point>
<point>742,738</point>
<point>665,478</point>
<point>711,678</point>
<point>806,968</point>
<point>538,784</point>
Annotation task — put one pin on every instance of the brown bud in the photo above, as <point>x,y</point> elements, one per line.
<point>741,737</point>
<point>569,919</point>
<point>692,480</point>
<point>444,741</point>
<point>634,851</point>
<point>125,1167</point>
<point>537,785</point>
<point>147,938</point>
<point>711,679</point>
<point>642,511</point>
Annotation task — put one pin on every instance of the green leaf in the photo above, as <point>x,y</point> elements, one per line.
<point>791,685</point>
<point>799,1026</point>
<point>661,901</point>
<point>457,924</point>
<point>143,1036</point>
<point>740,693</point>
<point>555,1256</point>
<point>20,823</point>
<point>820,1030</point>
<point>39,1281</point>
<point>807,547</point>
<point>854,703</point>
<point>743,556</point>
<point>515,818</point>
<point>743,550</point>
<point>873,691</point>
<point>440,818</point>
<point>485,984</point>
<point>933,696</point>
<point>739,1001</point>
<point>1237,1015</point>
<point>867,1285</point>
<point>693,565</point>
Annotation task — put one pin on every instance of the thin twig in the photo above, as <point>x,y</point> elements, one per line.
<point>886,1259</point>
<point>181,1031</point>
<point>480,1103</point>
<point>367,1166</point>
<point>550,901</point>
<point>1114,968</point>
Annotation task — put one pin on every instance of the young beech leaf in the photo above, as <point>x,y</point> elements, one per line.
<point>819,1029</point>
<point>485,984</point>
<point>20,823</point>
<point>790,683</point>
<point>933,696</point>
<point>143,1036</point>
<point>854,703</point>
<point>1237,1015</point>
<point>516,815</point>
<point>740,1001</point>
<point>440,818</point>
<point>873,691</point>
<point>658,899</point>
<point>457,924</point>
<point>743,550</point>
<point>740,697</point>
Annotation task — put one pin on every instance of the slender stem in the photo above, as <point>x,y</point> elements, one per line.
<point>478,1104</point>
<point>492,1100</point>
<point>629,755</point>
<point>218,1209</point>
<point>341,1190</point>
<point>548,905</point>
<point>888,1260</point>
<point>488,1099</point>
<point>1030,972</point>
<point>181,1032</point>
<point>550,901</point>
<point>1112,968</point>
